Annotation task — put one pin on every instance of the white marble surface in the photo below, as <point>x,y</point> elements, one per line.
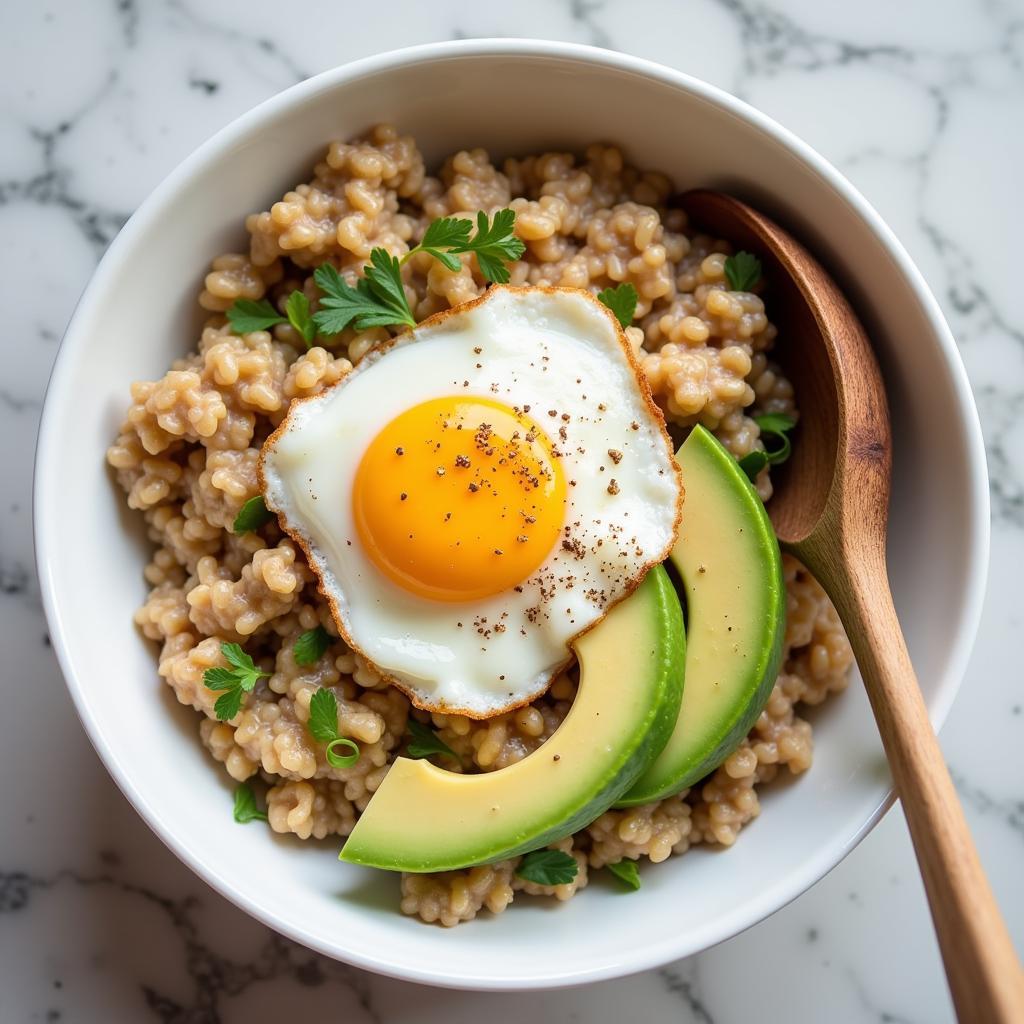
<point>920,103</point>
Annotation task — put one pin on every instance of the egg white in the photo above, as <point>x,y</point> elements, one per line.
<point>552,350</point>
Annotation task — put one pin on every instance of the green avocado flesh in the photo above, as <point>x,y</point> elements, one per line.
<point>728,559</point>
<point>423,818</point>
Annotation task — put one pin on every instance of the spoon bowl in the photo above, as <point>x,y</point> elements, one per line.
<point>829,508</point>
<point>840,381</point>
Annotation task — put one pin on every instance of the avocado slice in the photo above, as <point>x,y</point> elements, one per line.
<point>728,559</point>
<point>423,818</point>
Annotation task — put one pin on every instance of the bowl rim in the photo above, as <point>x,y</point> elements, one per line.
<point>640,958</point>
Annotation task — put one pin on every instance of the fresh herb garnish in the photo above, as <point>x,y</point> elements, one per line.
<point>252,515</point>
<point>775,423</point>
<point>309,648</point>
<point>548,867</point>
<point>753,462</point>
<point>425,742</point>
<point>621,300</point>
<point>494,243</point>
<point>323,724</point>
<point>297,308</point>
<point>775,427</point>
<point>247,315</point>
<point>626,872</point>
<point>742,271</point>
<point>441,235</point>
<point>378,298</point>
<point>323,715</point>
<point>245,806</point>
<point>235,681</point>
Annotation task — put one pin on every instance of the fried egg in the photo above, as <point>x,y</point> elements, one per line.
<point>478,492</point>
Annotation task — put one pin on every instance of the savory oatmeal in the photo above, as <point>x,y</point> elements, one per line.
<point>189,459</point>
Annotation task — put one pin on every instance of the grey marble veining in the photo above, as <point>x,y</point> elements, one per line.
<point>921,104</point>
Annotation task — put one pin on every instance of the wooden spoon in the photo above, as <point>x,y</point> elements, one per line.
<point>829,509</point>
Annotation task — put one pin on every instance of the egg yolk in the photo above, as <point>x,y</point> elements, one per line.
<point>459,498</point>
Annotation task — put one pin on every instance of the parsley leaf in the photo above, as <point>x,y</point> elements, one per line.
<point>323,716</point>
<point>742,271</point>
<point>247,315</point>
<point>252,515</point>
<point>309,648</point>
<point>228,704</point>
<point>297,308</point>
<point>384,276</point>
<point>362,306</point>
<point>219,678</point>
<point>548,867</point>
<point>775,428</point>
<point>621,300</point>
<point>323,724</point>
<point>626,872</point>
<point>425,742</point>
<point>245,806</point>
<point>443,233</point>
<point>235,681</point>
<point>494,244</point>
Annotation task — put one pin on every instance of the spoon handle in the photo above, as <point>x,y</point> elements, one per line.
<point>984,974</point>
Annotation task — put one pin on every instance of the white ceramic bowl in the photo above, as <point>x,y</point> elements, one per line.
<point>139,313</point>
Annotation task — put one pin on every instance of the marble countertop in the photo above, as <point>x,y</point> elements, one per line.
<point>922,108</point>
